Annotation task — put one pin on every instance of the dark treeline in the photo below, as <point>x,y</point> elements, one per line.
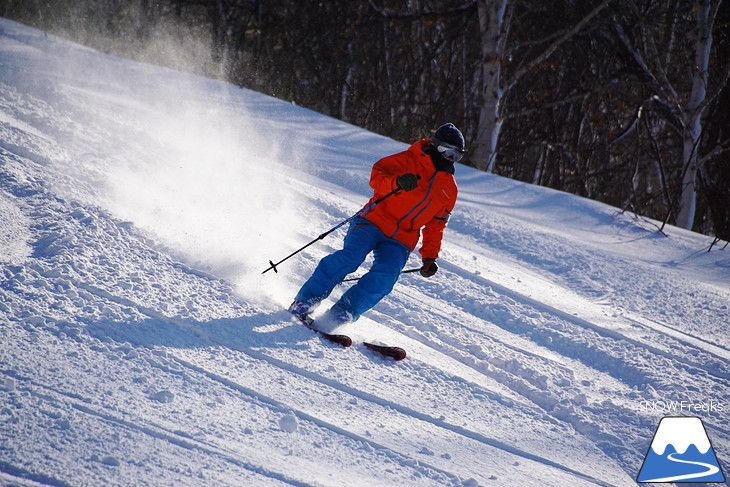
<point>623,101</point>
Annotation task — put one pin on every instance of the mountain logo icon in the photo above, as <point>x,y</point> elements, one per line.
<point>680,452</point>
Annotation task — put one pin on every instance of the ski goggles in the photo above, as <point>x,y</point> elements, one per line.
<point>450,152</point>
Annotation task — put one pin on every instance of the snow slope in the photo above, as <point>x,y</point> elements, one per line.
<point>141,345</point>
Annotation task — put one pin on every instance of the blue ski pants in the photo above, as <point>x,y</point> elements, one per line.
<point>363,237</point>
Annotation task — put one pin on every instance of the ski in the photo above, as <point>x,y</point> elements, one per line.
<point>396,353</point>
<point>343,340</point>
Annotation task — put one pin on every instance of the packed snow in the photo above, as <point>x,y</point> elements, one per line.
<point>140,343</point>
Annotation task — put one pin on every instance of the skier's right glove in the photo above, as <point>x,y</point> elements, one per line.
<point>429,267</point>
<point>407,182</point>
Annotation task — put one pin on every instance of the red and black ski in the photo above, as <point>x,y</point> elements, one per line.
<point>343,340</point>
<point>395,353</point>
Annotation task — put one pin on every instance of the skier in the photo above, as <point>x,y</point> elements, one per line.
<point>427,192</point>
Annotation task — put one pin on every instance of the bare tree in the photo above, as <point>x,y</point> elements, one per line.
<point>494,22</point>
<point>674,58</point>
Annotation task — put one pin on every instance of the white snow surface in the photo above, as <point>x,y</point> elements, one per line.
<point>140,343</point>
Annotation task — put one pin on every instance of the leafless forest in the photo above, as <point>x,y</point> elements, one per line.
<point>622,101</point>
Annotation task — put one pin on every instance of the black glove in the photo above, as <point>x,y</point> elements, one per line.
<point>429,267</point>
<point>407,182</point>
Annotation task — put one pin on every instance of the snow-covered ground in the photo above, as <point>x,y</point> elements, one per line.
<point>141,345</point>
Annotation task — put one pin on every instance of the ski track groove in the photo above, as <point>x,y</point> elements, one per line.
<point>454,345</point>
<point>451,349</point>
<point>527,390</point>
<point>402,458</point>
<point>586,324</point>
<point>155,431</point>
<point>16,476</point>
<point>472,435</point>
<point>679,335</point>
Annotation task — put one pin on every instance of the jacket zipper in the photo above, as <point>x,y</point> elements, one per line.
<point>428,192</point>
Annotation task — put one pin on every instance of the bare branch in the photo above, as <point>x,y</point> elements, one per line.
<point>634,123</point>
<point>720,149</point>
<point>551,49</point>
<point>418,15</point>
<point>664,92</point>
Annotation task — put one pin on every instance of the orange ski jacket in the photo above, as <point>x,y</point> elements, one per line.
<point>428,207</point>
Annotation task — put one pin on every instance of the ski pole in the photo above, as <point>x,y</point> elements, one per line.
<point>379,200</point>
<point>358,278</point>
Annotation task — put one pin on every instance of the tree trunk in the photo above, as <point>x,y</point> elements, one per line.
<point>693,116</point>
<point>491,25</point>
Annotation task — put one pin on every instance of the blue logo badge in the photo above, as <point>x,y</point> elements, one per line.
<point>680,452</point>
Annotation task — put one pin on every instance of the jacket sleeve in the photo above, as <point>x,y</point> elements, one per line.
<point>433,233</point>
<point>386,171</point>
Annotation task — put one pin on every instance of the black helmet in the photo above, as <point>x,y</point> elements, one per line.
<point>450,134</point>
<point>449,142</point>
